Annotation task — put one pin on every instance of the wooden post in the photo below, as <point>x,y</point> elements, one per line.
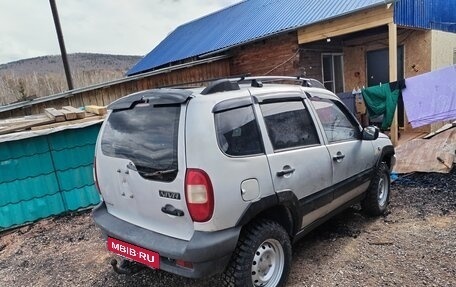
<point>392,32</point>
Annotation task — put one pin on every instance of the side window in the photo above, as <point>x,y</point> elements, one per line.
<point>336,124</point>
<point>289,125</point>
<point>237,132</point>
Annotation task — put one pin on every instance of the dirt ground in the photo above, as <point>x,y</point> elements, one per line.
<point>413,245</point>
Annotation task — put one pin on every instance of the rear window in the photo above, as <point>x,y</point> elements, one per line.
<point>237,132</point>
<point>147,136</point>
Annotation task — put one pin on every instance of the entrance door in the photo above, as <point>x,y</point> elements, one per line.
<point>378,72</point>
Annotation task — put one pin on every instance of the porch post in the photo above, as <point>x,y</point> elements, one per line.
<point>392,32</point>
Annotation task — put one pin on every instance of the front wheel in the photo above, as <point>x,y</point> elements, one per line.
<point>378,193</point>
<point>262,256</point>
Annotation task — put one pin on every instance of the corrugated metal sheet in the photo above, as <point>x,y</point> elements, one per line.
<point>242,23</point>
<point>427,14</point>
<point>47,175</point>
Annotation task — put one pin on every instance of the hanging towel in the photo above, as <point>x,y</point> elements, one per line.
<point>431,97</point>
<point>382,100</point>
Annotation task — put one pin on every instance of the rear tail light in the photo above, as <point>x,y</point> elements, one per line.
<point>199,195</point>
<point>95,176</point>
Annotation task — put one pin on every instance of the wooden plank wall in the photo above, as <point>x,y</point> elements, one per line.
<point>362,20</point>
<point>105,95</point>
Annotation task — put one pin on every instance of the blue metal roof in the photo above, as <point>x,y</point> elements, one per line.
<point>427,14</point>
<point>244,22</point>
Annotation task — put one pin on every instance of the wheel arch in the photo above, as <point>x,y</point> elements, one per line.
<point>387,156</point>
<point>281,208</point>
<point>281,215</point>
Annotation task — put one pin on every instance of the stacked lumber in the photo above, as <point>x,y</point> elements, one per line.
<point>52,118</point>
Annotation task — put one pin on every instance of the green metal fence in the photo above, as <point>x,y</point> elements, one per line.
<point>47,175</point>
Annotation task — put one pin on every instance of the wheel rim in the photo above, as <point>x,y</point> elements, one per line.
<point>268,264</point>
<point>382,190</point>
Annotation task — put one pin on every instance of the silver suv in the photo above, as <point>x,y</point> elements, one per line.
<point>224,178</point>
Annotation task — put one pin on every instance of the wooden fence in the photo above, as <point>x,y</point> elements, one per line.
<point>106,94</point>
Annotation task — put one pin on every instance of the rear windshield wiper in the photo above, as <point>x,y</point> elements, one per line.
<point>158,172</point>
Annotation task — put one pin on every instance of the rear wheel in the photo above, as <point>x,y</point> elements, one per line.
<point>378,193</point>
<point>262,256</point>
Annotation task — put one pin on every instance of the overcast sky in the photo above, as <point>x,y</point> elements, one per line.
<point>127,27</point>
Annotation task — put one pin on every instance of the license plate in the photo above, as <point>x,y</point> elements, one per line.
<point>135,253</point>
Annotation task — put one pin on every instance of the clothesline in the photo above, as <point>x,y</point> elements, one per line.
<point>428,98</point>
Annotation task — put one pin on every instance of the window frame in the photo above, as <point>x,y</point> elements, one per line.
<point>333,73</point>
<point>107,140</point>
<point>306,109</point>
<point>351,118</point>
<point>235,107</point>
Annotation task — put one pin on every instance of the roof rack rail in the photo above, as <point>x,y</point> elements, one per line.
<point>232,84</point>
<point>258,81</point>
<point>314,83</point>
<point>222,85</point>
<point>189,84</point>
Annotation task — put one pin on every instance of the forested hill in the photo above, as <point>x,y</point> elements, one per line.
<point>42,76</point>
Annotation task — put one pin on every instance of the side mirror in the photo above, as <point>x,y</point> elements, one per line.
<point>370,133</point>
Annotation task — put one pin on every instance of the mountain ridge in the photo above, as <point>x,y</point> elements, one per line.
<point>42,76</point>
<point>77,61</point>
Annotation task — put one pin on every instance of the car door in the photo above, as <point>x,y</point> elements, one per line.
<point>298,160</point>
<point>352,158</point>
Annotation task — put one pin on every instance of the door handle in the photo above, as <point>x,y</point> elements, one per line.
<point>338,157</point>
<point>169,209</point>
<point>285,171</point>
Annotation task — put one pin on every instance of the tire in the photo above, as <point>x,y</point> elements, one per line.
<point>377,195</point>
<point>262,256</point>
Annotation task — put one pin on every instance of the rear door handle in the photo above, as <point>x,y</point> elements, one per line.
<point>338,157</point>
<point>169,209</point>
<point>285,171</point>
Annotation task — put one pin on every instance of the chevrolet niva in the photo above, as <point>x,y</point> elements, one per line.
<point>224,178</point>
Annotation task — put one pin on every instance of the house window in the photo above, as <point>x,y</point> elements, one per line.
<point>333,72</point>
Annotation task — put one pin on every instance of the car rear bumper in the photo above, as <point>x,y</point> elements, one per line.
<point>209,252</point>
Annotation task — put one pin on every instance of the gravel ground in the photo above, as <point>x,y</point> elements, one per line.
<point>413,245</point>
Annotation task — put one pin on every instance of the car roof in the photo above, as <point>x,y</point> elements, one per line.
<point>266,89</point>
<point>229,88</point>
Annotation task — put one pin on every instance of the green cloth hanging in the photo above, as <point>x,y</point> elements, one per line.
<point>380,100</point>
